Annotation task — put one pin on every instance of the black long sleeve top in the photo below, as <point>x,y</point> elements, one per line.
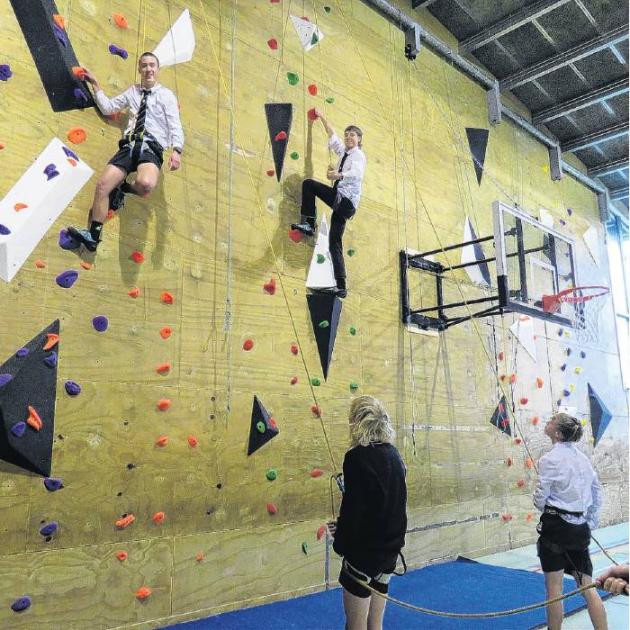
<point>372,517</point>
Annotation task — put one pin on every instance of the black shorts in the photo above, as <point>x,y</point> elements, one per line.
<point>379,582</point>
<point>563,546</point>
<point>130,155</point>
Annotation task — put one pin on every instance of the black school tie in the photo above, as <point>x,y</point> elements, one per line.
<point>339,170</point>
<point>138,130</point>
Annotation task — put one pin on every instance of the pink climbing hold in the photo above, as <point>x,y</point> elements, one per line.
<point>316,472</point>
<point>523,400</point>
<point>321,532</point>
<point>281,135</point>
<point>312,114</point>
<point>272,43</point>
<point>270,287</point>
<point>272,508</point>
<point>294,349</point>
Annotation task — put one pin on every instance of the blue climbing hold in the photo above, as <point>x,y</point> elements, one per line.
<point>66,241</point>
<point>18,429</point>
<point>22,352</point>
<point>20,604</point>
<point>61,36</point>
<point>80,97</point>
<point>51,171</point>
<point>67,278</point>
<point>115,50</point>
<point>5,72</point>
<point>100,323</point>
<point>4,230</point>
<point>5,378</point>
<point>51,359</point>
<point>49,530</point>
<point>72,388</point>
<point>52,485</point>
<point>71,154</point>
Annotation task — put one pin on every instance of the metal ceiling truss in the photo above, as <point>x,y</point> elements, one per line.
<point>608,168</point>
<point>591,139</point>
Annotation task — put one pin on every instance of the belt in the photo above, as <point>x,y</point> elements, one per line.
<point>552,509</point>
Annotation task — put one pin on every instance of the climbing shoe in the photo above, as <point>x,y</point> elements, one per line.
<point>84,237</point>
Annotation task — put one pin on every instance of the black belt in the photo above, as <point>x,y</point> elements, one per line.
<point>552,509</point>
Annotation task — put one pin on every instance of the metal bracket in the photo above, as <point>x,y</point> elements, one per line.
<point>602,204</point>
<point>555,162</point>
<point>413,42</point>
<point>493,97</point>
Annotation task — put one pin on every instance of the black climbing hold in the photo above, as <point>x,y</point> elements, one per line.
<point>600,416</point>
<point>324,307</point>
<point>260,416</point>
<point>478,141</point>
<point>279,117</point>
<point>500,418</point>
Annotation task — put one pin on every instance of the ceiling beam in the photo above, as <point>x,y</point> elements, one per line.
<point>591,139</point>
<point>619,193</point>
<point>421,4</point>
<point>565,58</point>
<point>608,168</point>
<point>509,24</point>
<point>594,97</point>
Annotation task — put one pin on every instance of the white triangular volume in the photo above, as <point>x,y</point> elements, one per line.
<point>523,330</point>
<point>320,274</point>
<point>544,216</point>
<point>469,255</point>
<point>178,45</point>
<point>591,238</point>
<point>308,32</point>
<point>43,192</point>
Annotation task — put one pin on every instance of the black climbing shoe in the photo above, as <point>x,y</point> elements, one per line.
<point>84,237</point>
<point>116,199</point>
<point>306,228</point>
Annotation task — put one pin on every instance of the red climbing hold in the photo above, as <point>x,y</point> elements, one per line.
<point>281,135</point>
<point>529,517</point>
<point>158,517</point>
<point>523,400</point>
<point>294,380</point>
<point>294,349</point>
<point>506,517</point>
<point>125,521</point>
<point>248,344</point>
<point>321,532</point>
<point>134,293</point>
<point>59,20</point>
<point>163,368</point>
<point>312,89</point>
<point>20,206</point>
<point>270,287</point>
<point>312,114</point>
<point>273,423</point>
<point>271,172</point>
<point>501,356</point>
<point>120,20</point>
<point>529,463</point>
<point>165,332</point>
<point>535,420</point>
<point>502,378</point>
<point>137,257</point>
<point>508,461</point>
<point>122,555</point>
<point>192,441</point>
<point>162,440</point>
<point>316,411</point>
<point>40,264</point>
<point>51,342</point>
<point>539,382</point>
<point>316,472</point>
<point>166,297</point>
<point>143,593</point>
<point>512,379</point>
<point>272,43</point>
<point>520,483</point>
<point>163,404</point>
<point>517,440</point>
<point>199,557</point>
<point>79,72</point>
<point>33,419</point>
<point>272,508</point>
<point>295,236</point>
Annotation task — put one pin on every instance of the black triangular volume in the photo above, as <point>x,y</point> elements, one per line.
<point>479,255</point>
<point>478,141</point>
<point>600,416</point>
<point>279,117</point>
<point>500,418</point>
<point>325,309</point>
<point>30,380</point>
<point>258,437</point>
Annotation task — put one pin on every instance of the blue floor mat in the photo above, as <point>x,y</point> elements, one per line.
<point>459,586</point>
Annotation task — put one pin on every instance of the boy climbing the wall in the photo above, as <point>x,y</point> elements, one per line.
<point>154,125</point>
<point>343,196</point>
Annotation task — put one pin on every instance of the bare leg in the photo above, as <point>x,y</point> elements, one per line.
<point>596,609</point>
<point>555,611</point>
<point>111,177</point>
<point>356,609</point>
<point>376,612</point>
<point>146,179</point>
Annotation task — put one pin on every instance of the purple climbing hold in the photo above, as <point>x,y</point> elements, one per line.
<point>5,378</point>
<point>71,154</point>
<point>583,354</point>
<point>49,530</point>
<point>100,323</point>
<point>22,352</point>
<point>18,429</point>
<point>52,485</point>
<point>563,367</point>
<point>60,34</point>
<point>563,222</point>
<point>80,97</point>
<point>67,278</point>
<point>566,392</point>
<point>569,211</point>
<point>4,230</point>
<point>66,241</point>
<point>568,352</point>
<point>72,388</point>
<point>51,171</point>
<point>20,604</point>
<point>51,359</point>
<point>5,72</point>
<point>121,52</point>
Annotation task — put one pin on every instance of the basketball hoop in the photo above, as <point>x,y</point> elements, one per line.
<point>587,302</point>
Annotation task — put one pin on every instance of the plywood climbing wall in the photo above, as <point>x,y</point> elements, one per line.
<point>214,235</point>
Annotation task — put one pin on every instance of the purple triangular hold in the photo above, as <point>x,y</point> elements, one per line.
<point>5,378</point>
<point>70,153</point>
<point>18,429</point>
<point>51,359</point>
<point>67,278</point>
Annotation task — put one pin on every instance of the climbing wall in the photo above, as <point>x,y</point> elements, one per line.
<point>201,399</point>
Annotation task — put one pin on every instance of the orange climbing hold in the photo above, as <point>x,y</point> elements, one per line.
<point>512,379</point>
<point>199,557</point>
<point>33,419</point>
<point>294,349</point>
<point>59,20</point>
<point>316,472</point>
<point>122,555</point>
<point>529,517</point>
<point>86,265</point>
<point>312,89</point>
<point>272,508</point>
<point>143,593</point>
<point>248,344</point>
<point>20,206</point>
<point>165,332</point>
<point>40,264</point>
<point>158,517</point>
<point>316,411</point>
<point>535,420</point>
<point>163,404</point>
<point>120,20</point>
<point>502,378</point>
<point>110,214</point>
<point>79,72</point>
<point>273,423</point>
<point>162,440</point>
<point>166,297</point>
<point>137,257</point>
<point>529,463</point>
<point>539,382</point>
<point>520,483</point>
<point>163,368</point>
<point>125,521</point>
<point>2,146</point>
<point>77,135</point>
<point>295,236</point>
<point>321,532</point>
<point>134,293</point>
<point>192,441</point>
<point>52,341</point>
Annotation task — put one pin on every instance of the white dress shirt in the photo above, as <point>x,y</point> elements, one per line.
<point>566,480</point>
<point>353,169</point>
<point>162,119</point>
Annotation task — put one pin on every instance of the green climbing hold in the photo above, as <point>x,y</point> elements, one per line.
<point>293,78</point>
<point>305,548</point>
<point>314,39</point>
<point>261,427</point>
<point>354,386</point>
<point>353,330</point>
<point>352,252</point>
<point>330,100</point>
<point>295,155</point>
<point>271,474</point>
<point>323,324</point>
<point>315,382</point>
<point>320,258</point>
